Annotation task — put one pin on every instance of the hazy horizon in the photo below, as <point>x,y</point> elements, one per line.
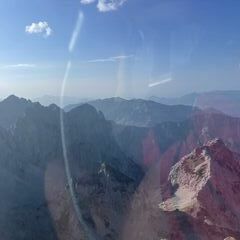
<point>79,98</point>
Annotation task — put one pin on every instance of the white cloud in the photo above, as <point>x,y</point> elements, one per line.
<point>109,5</point>
<point>87,1</point>
<point>20,65</point>
<point>39,28</point>
<point>110,59</point>
<point>105,5</point>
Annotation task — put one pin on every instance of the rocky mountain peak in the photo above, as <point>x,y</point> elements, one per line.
<point>12,99</point>
<point>12,108</point>
<point>205,185</point>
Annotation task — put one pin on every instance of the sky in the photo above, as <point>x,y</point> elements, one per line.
<point>126,48</point>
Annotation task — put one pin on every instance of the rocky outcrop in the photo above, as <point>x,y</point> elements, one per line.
<point>205,186</point>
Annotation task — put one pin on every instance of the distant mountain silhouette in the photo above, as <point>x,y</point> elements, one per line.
<point>47,100</point>
<point>138,112</point>
<point>227,102</point>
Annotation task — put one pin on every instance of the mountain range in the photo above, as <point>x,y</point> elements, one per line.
<point>47,100</point>
<point>117,169</point>
<point>139,112</point>
<point>227,102</point>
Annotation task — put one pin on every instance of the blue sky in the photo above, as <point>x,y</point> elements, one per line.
<point>128,48</point>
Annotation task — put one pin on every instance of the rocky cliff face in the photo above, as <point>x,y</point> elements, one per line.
<point>204,186</point>
<point>36,199</point>
<point>200,200</point>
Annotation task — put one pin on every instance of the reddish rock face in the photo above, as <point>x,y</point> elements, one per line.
<point>204,186</point>
<point>200,199</point>
<point>203,128</point>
